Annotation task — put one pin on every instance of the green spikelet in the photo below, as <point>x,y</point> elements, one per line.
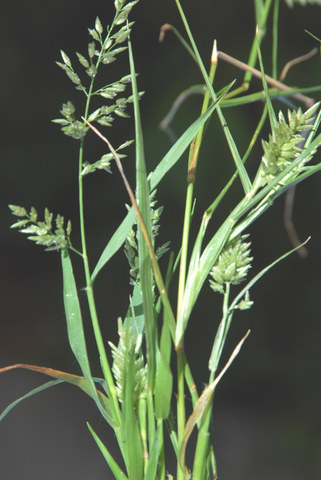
<point>121,353</point>
<point>232,265</point>
<point>130,246</point>
<point>283,145</point>
<point>53,236</point>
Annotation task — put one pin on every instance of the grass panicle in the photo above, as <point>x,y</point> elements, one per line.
<point>138,393</point>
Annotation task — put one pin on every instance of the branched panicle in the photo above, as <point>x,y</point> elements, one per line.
<point>232,265</point>
<point>130,246</point>
<point>156,213</point>
<point>70,126</point>
<point>104,47</point>
<point>283,146</point>
<point>123,9</point>
<point>121,355</point>
<point>104,163</point>
<point>42,232</point>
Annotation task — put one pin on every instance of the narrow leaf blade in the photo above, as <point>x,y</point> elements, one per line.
<point>165,165</point>
<point>145,266</point>
<point>32,392</point>
<point>114,467</point>
<point>75,328</point>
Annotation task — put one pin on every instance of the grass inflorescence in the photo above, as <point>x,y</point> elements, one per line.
<point>136,394</point>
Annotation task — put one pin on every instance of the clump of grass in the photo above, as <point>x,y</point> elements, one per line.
<point>136,394</point>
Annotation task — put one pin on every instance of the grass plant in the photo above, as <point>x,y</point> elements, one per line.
<point>146,382</point>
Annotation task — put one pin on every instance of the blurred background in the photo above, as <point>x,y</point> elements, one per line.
<point>267,413</point>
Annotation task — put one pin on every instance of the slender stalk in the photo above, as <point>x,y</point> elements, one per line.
<point>191,173</point>
<point>142,414</point>
<point>151,417</point>
<point>203,434</point>
<point>275,38</point>
<point>192,164</point>
<point>271,81</point>
<point>161,463</point>
<point>261,23</point>
<point>181,416</point>
<point>110,385</point>
<point>190,383</point>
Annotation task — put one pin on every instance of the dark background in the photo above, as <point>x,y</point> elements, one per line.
<point>267,413</point>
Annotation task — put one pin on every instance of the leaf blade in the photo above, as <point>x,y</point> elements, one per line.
<point>165,165</point>
<point>114,467</point>
<point>144,260</point>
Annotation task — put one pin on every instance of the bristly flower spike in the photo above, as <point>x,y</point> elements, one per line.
<point>285,143</point>
<point>232,265</point>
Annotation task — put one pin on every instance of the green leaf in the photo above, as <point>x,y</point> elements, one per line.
<point>115,242</point>
<point>114,467</point>
<point>272,116</point>
<point>163,385</point>
<point>170,159</point>
<point>177,150</point>
<point>199,268</point>
<point>204,402</point>
<point>75,329</point>
<point>76,380</point>
<point>131,442</point>
<point>157,445</point>
<point>145,266</point>
<point>32,392</point>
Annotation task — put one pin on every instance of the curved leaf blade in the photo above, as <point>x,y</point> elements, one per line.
<point>32,392</point>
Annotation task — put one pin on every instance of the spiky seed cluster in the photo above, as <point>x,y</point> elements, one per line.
<point>283,144</point>
<point>130,246</point>
<point>42,232</point>
<point>121,355</point>
<point>232,265</point>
